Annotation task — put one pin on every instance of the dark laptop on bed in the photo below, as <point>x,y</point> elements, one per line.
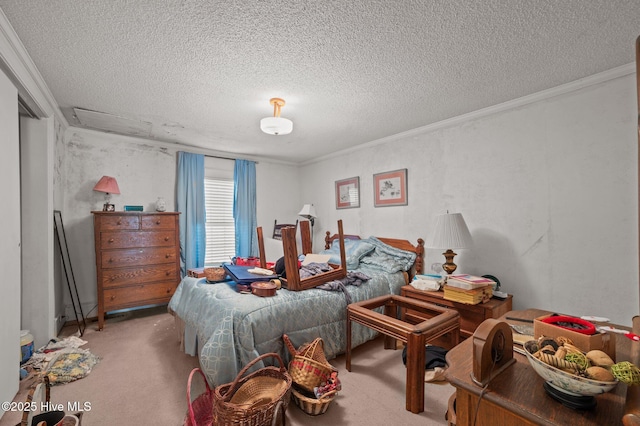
<point>241,275</point>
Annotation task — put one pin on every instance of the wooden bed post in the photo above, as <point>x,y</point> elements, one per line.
<point>263,257</point>
<point>343,257</point>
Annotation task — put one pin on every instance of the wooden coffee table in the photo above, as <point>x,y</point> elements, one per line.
<point>415,336</point>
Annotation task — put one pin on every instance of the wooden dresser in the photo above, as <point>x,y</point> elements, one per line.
<point>137,259</point>
<point>471,316</point>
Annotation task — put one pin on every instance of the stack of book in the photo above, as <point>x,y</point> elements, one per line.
<point>468,289</point>
<point>469,282</point>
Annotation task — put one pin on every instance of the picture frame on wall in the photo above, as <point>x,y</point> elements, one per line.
<point>390,188</point>
<point>348,193</point>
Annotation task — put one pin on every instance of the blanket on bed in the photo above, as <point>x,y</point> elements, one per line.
<point>233,329</point>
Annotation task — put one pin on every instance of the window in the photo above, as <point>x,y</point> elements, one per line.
<point>221,241</point>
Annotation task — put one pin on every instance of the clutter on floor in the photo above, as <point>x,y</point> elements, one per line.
<point>62,360</point>
<point>435,363</point>
<point>315,380</point>
<point>41,412</point>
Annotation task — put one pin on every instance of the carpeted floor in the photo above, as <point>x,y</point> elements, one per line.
<point>142,376</point>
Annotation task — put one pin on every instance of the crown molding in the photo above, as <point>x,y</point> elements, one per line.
<point>582,83</point>
<point>23,73</point>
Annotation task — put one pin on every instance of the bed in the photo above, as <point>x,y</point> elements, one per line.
<point>232,329</point>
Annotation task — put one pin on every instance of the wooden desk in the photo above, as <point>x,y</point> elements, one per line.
<point>517,397</point>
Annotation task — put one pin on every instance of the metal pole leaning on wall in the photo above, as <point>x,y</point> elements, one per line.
<point>68,271</point>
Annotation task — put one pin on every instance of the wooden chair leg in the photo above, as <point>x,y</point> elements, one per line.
<point>348,352</point>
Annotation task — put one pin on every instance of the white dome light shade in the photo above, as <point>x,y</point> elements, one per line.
<point>276,125</point>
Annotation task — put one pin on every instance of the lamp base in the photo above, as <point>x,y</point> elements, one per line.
<point>449,267</point>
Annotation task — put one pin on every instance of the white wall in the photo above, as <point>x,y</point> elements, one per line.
<point>548,190</point>
<point>10,236</point>
<point>38,298</point>
<point>144,170</point>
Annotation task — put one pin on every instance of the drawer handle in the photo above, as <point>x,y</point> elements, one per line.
<point>166,238</point>
<point>158,222</point>
<point>169,290</point>
<point>119,222</point>
<point>167,273</point>
<point>111,240</point>
<point>113,298</point>
<point>167,256</point>
<point>110,260</point>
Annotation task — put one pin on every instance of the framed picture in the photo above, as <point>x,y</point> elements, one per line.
<point>348,193</point>
<point>390,188</point>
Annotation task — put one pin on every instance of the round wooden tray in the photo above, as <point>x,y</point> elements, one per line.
<point>264,288</point>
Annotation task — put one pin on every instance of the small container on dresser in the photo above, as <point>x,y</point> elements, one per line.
<point>137,259</point>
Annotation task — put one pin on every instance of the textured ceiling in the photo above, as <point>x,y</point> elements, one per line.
<point>202,72</point>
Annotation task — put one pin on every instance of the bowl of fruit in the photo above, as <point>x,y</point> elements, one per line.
<point>571,371</point>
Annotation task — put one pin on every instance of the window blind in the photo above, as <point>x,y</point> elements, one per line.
<point>221,242</point>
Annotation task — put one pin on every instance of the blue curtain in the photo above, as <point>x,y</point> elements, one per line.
<point>190,201</point>
<point>244,208</point>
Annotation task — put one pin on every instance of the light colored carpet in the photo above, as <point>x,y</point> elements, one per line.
<point>142,378</point>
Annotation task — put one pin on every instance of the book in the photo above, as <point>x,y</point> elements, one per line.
<point>469,297</point>
<point>469,282</point>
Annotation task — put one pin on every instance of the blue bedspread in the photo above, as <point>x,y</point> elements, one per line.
<point>233,328</point>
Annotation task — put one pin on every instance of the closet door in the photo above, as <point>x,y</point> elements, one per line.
<point>638,90</point>
<point>10,238</point>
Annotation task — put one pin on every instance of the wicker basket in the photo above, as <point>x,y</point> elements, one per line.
<point>214,274</point>
<point>313,350</point>
<point>308,373</point>
<point>256,399</point>
<point>309,366</point>
<point>313,406</point>
<point>200,411</point>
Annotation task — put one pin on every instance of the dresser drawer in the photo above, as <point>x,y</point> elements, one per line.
<point>139,256</point>
<point>138,295</point>
<point>114,240</point>
<point>137,259</point>
<point>143,274</point>
<point>115,222</point>
<point>158,222</point>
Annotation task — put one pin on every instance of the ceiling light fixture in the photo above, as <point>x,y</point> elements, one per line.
<point>276,125</point>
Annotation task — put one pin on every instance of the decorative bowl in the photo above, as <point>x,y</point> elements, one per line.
<point>562,380</point>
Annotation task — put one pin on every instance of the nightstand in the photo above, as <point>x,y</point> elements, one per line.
<point>471,316</point>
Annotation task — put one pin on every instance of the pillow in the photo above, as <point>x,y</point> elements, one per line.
<point>388,258</point>
<point>354,250</point>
